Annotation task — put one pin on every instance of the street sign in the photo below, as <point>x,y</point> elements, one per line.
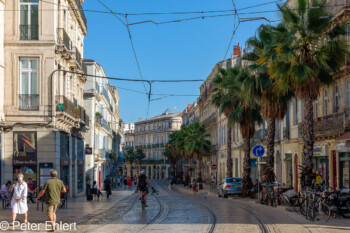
<point>258,150</point>
<point>213,167</point>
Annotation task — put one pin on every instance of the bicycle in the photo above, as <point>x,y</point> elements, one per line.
<point>143,201</point>
<point>316,207</point>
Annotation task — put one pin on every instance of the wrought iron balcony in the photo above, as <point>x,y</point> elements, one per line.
<point>67,106</point>
<point>285,133</point>
<point>78,57</point>
<point>28,102</point>
<point>63,39</point>
<point>29,32</point>
<point>330,125</point>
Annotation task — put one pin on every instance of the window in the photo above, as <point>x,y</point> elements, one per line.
<point>325,102</point>
<point>24,144</point>
<point>64,141</point>
<point>28,84</point>
<point>316,108</point>
<point>295,106</point>
<point>336,99</point>
<point>29,20</point>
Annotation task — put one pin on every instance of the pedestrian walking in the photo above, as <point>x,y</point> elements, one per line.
<point>118,182</point>
<point>108,186</point>
<point>129,182</point>
<point>53,188</point>
<point>31,190</point>
<point>125,182</point>
<point>194,186</point>
<point>96,190</point>
<point>19,199</point>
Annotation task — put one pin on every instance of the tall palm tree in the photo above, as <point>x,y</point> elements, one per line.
<point>140,155</point>
<point>196,143</point>
<point>311,50</point>
<point>273,105</point>
<point>223,100</point>
<point>237,90</point>
<point>247,113</point>
<point>130,157</point>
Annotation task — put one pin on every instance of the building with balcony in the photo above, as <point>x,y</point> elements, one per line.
<point>101,101</point>
<point>45,119</point>
<point>152,135</point>
<point>128,128</point>
<point>2,67</point>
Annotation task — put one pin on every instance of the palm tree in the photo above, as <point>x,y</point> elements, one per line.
<point>196,143</point>
<point>130,157</point>
<point>238,91</point>
<point>176,143</point>
<point>273,105</point>
<point>311,50</point>
<point>139,155</point>
<point>222,99</point>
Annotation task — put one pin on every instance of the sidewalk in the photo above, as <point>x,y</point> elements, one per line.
<point>253,203</point>
<point>79,209</point>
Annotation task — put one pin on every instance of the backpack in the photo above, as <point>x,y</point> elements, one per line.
<point>142,182</point>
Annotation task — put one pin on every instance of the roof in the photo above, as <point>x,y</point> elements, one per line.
<point>171,115</point>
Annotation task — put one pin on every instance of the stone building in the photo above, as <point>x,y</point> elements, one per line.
<point>152,135</point>
<point>45,120</point>
<point>2,67</point>
<point>101,101</point>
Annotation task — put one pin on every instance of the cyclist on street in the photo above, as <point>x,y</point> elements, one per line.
<point>142,184</point>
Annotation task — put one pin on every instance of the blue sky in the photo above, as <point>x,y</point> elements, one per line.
<point>184,50</point>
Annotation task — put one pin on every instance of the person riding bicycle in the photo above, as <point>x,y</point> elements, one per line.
<point>142,184</point>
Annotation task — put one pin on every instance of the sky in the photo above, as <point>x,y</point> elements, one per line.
<point>186,50</point>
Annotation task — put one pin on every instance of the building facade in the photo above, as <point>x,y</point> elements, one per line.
<point>2,68</point>
<point>45,120</point>
<point>152,135</point>
<point>101,101</point>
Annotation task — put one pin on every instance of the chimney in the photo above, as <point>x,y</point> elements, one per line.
<point>237,50</point>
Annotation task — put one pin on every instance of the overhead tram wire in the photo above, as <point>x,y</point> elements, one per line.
<point>235,28</point>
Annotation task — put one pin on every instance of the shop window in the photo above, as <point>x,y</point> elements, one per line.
<point>64,152</point>
<point>25,144</point>
<point>80,181</point>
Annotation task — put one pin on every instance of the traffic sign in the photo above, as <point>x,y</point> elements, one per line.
<point>258,150</point>
<point>213,167</point>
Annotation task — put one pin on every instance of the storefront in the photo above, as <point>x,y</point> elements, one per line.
<point>344,165</point>
<point>81,165</point>
<point>1,158</point>
<point>65,159</point>
<point>25,155</point>
<point>321,161</point>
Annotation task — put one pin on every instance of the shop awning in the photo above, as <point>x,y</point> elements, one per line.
<point>345,136</point>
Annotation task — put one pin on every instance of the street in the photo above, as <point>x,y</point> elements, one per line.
<point>179,210</point>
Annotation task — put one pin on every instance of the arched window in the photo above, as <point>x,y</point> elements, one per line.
<point>325,102</point>
<point>336,99</point>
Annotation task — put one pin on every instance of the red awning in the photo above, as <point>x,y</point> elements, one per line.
<point>344,136</point>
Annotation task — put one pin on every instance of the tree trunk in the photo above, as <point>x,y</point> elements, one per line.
<point>229,162</point>
<point>247,181</point>
<point>307,175</point>
<point>269,172</point>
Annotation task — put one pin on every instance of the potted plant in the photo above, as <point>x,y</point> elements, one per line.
<point>99,114</point>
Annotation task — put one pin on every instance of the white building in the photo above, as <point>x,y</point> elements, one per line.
<point>101,101</point>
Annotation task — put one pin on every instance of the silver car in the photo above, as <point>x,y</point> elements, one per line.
<point>230,186</point>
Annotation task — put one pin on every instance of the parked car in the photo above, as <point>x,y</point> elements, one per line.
<point>230,186</point>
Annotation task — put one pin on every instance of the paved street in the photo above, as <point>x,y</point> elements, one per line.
<point>179,210</point>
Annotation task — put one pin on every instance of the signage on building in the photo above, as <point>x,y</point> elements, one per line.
<point>342,148</point>
<point>88,151</point>
<point>213,167</point>
<point>320,151</point>
<point>24,161</point>
<point>258,150</point>
<point>65,162</point>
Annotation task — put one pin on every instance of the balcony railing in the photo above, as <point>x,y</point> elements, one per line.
<point>103,123</point>
<point>28,102</point>
<point>333,124</point>
<point>63,39</point>
<point>78,57</point>
<point>29,32</point>
<point>285,133</point>
<point>67,106</point>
